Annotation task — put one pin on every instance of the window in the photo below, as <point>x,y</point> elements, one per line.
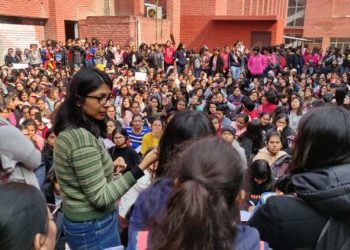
<point>289,42</point>
<point>296,13</point>
<point>340,43</point>
<point>314,42</point>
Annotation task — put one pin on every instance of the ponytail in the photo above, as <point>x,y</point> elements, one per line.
<point>201,209</point>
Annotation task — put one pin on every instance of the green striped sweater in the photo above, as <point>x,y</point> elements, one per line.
<point>84,171</point>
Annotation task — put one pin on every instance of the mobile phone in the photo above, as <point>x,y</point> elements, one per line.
<point>38,117</point>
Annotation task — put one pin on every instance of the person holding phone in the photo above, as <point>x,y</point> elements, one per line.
<point>83,166</point>
<point>29,128</point>
<point>41,123</point>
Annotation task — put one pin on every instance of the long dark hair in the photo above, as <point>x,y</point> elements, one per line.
<point>23,215</point>
<point>69,114</point>
<point>254,132</point>
<point>323,139</point>
<point>201,210</point>
<point>183,126</point>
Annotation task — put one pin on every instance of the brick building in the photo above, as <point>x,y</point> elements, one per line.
<point>195,22</point>
<point>322,23</point>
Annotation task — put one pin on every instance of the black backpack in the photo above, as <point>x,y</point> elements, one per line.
<point>334,235</point>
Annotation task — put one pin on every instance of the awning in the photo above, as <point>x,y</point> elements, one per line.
<point>297,39</point>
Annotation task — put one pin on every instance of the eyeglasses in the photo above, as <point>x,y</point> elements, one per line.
<point>102,100</point>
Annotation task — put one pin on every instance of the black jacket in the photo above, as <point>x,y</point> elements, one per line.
<point>286,222</point>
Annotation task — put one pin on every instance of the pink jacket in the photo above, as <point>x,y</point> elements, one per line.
<point>307,57</point>
<point>256,65</point>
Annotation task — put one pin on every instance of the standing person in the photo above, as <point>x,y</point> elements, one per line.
<point>256,63</point>
<point>9,58</point>
<point>158,57</point>
<point>78,53</point>
<point>89,55</point>
<point>181,58</point>
<point>235,61</point>
<point>168,54</point>
<point>202,207</point>
<point>34,56</point>
<point>99,55</point>
<point>83,166</point>
<point>205,58</point>
<point>216,64</point>
<point>109,54</point>
<point>225,58</point>
<point>196,62</point>
<point>291,59</point>
<point>318,201</point>
<point>118,56</point>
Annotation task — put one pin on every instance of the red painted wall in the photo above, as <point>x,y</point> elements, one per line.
<point>225,32</point>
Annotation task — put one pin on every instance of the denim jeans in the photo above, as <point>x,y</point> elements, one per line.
<point>180,68</point>
<point>236,71</point>
<point>197,72</point>
<point>96,234</point>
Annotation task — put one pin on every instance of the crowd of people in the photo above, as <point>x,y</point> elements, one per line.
<point>165,147</point>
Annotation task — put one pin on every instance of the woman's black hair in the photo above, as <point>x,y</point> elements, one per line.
<point>244,116</point>
<point>260,169</point>
<point>23,215</point>
<point>180,46</point>
<point>29,122</point>
<point>257,49</point>
<point>120,130</point>
<point>69,114</point>
<point>340,94</point>
<point>323,139</point>
<point>48,133</point>
<point>281,116</point>
<point>254,132</point>
<point>271,97</point>
<point>201,211</point>
<point>273,133</point>
<point>157,118</point>
<point>300,109</point>
<point>248,103</point>
<point>184,126</point>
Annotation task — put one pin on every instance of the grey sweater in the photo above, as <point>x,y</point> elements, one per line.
<point>18,156</point>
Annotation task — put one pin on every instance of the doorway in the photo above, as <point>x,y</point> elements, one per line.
<point>71,29</point>
<point>260,39</point>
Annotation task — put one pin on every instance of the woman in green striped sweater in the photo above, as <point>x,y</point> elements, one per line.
<point>83,166</point>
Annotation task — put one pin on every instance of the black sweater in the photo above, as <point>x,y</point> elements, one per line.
<point>130,156</point>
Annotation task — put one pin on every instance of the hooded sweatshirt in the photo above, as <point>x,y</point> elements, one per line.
<point>264,154</point>
<point>289,222</point>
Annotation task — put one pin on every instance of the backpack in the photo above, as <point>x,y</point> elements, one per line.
<point>280,166</point>
<point>334,235</point>
<point>197,62</point>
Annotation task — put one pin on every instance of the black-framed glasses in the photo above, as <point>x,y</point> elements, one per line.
<point>102,100</point>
